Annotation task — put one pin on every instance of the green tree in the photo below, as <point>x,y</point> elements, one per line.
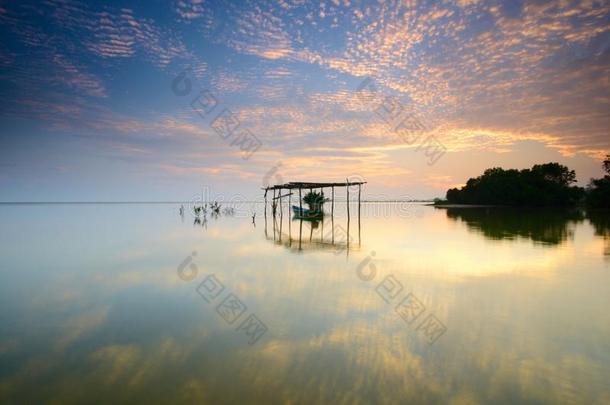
<point>555,173</point>
<point>598,191</point>
<point>543,185</point>
<point>314,200</point>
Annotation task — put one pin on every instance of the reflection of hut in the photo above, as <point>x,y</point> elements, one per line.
<point>278,189</point>
<point>333,239</point>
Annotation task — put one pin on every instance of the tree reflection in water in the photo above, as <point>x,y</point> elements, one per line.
<point>544,226</point>
<point>600,219</point>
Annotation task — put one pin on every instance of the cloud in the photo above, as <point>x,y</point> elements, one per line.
<point>190,9</point>
<point>261,33</point>
<point>486,64</point>
<point>74,77</point>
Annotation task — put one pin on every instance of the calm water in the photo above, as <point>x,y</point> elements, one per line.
<point>494,306</point>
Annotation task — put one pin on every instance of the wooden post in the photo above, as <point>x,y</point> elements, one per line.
<point>332,201</point>
<point>265,214</point>
<point>289,218</point>
<point>274,222</point>
<point>322,230</point>
<point>359,200</point>
<point>322,221</point>
<point>310,230</point>
<point>280,201</point>
<point>322,210</point>
<point>300,204</point>
<point>273,214</point>
<point>347,188</point>
<point>332,215</point>
<point>300,231</point>
<point>300,217</point>
<point>359,187</point>
<point>281,215</point>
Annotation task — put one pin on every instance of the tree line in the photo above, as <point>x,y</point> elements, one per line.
<point>549,184</point>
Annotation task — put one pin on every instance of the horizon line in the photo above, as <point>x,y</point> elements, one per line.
<point>181,202</point>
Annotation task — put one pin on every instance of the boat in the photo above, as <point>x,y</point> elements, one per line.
<point>306,213</point>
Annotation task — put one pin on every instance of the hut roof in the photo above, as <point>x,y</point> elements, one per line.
<point>301,184</point>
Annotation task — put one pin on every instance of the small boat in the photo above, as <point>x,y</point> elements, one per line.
<point>306,213</point>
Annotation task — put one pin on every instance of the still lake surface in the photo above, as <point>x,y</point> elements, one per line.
<point>105,303</point>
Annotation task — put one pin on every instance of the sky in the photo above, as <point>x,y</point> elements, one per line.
<point>159,100</point>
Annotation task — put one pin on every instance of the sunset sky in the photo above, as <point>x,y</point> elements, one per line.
<point>90,111</point>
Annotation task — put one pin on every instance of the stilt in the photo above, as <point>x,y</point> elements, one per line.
<point>358,200</point>
<point>332,214</point>
<point>359,214</point>
<point>300,232</point>
<point>322,230</point>
<point>301,219</point>
<point>332,201</point>
<point>310,231</point>
<point>266,202</point>
<point>265,213</point>
<point>347,189</point>
<point>266,234</point>
<point>280,201</point>
<point>321,210</point>
<point>300,204</point>
<point>274,226</point>
<point>281,216</point>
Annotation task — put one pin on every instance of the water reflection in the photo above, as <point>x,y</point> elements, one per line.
<point>600,219</point>
<point>315,234</point>
<point>108,318</point>
<point>543,226</point>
